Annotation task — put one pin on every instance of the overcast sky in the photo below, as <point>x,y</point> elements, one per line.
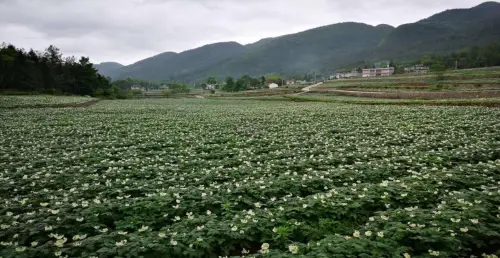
<point>126,31</point>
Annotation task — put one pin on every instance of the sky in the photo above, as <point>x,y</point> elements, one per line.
<point>127,31</point>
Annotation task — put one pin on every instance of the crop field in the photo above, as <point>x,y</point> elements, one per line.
<point>40,101</point>
<point>217,178</point>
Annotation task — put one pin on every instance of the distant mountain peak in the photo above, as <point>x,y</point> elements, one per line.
<point>488,4</point>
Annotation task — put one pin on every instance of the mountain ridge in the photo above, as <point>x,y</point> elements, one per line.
<point>327,47</point>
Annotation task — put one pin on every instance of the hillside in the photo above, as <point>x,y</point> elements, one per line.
<point>447,31</point>
<point>108,68</point>
<point>301,52</point>
<point>169,65</point>
<point>326,48</point>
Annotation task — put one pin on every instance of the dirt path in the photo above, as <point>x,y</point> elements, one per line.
<point>308,88</point>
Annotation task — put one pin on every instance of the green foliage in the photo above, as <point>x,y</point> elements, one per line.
<point>475,57</point>
<point>48,72</point>
<point>190,178</point>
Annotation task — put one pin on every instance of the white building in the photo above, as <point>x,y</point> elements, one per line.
<point>273,86</point>
<point>210,87</point>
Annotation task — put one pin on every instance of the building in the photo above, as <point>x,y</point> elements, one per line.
<point>210,87</point>
<point>373,72</point>
<point>347,75</point>
<point>137,87</point>
<point>273,86</point>
<point>420,68</point>
<point>290,82</point>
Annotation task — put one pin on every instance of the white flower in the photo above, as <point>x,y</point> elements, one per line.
<point>199,239</point>
<point>209,212</point>
<point>9,214</point>
<point>200,228</point>
<point>434,253</point>
<point>293,249</point>
<point>275,230</point>
<point>48,228</point>
<point>474,221</point>
<point>20,249</point>
<point>34,243</point>
<point>380,234</point>
<point>258,205</point>
<point>245,251</point>
<point>455,220</point>
<point>58,253</point>
<point>384,217</point>
<point>234,228</point>
<point>143,228</point>
<point>464,229</point>
<point>371,219</point>
<point>173,242</point>
<point>122,233</point>
<point>265,246</point>
<point>79,219</point>
<point>368,233</point>
<point>60,242</point>
<point>356,234</point>
<point>121,243</point>
<point>304,206</point>
<point>406,255</point>
<point>161,235</point>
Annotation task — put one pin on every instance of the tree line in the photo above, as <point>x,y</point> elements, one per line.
<point>48,72</point>
<point>474,57</point>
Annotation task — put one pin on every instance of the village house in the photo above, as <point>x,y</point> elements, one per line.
<point>290,82</point>
<point>373,72</point>
<point>273,86</point>
<point>347,75</point>
<point>210,87</point>
<point>419,68</point>
<point>137,87</point>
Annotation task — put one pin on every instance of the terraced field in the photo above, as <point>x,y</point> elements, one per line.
<point>210,178</point>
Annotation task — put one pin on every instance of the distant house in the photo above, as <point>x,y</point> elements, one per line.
<point>290,82</point>
<point>210,87</point>
<point>273,86</point>
<point>347,75</point>
<point>420,68</point>
<point>137,87</point>
<point>163,87</point>
<point>373,72</point>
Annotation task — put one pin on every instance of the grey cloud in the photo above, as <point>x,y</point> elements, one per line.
<point>129,30</point>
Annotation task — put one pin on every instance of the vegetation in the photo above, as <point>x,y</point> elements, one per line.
<point>40,101</point>
<point>466,58</point>
<point>209,178</point>
<point>48,72</point>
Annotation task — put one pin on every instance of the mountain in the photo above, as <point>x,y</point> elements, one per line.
<point>169,65</point>
<point>301,52</point>
<point>107,68</point>
<point>326,48</point>
<point>446,31</point>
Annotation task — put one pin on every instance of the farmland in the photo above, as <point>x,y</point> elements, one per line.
<point>210,178</point>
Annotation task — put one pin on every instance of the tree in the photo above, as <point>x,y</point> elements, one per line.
<point>230,85</point>
<point>211,80</point>
<point>48,72</point>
